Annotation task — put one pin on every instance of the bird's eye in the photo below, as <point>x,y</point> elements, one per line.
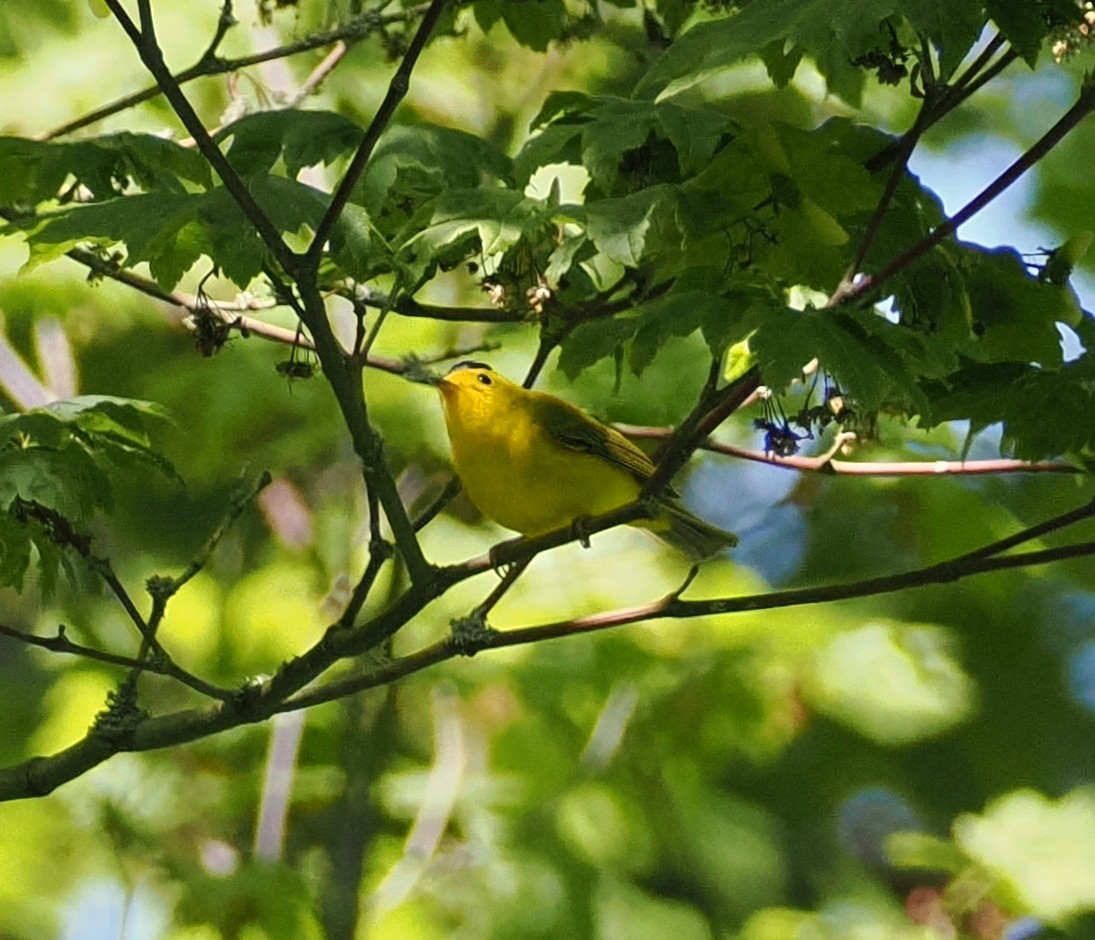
<point>484,379</point>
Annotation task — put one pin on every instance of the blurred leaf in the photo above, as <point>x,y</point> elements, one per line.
<point>840,920</point>
<point>917,690</point>
<point>626,913</point>
<point>268,897</point>
<point>1044,847</point>
<point>918,850</point>
<point>534,25</point>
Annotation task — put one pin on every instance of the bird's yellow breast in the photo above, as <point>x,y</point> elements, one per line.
<point>516,473</point>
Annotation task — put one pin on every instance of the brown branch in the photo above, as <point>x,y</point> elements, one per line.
<point>345,379</point>
<point>825,463</point>
<point>1085,103</point>
<point>974,78</point>
<point>308,87</point>
<point>283,692</point>
<point>60,643</point>
<point>673,606</point>
<point>408,307</point>
<point>710,412</point>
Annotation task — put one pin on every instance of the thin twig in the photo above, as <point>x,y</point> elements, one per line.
<point>319,74</point>
<point>826,463</point>
<point>350,33</point>
<point>380,550</point>
<point>446,496</point>
<point>397,90</point>
<point>1080,110</point>
<point>235,510</point>
<point>60,643</point>
<point>64,535</point>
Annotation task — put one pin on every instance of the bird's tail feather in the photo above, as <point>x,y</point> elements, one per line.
<point>689,534</point>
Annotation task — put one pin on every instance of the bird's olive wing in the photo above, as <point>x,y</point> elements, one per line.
<point>575,429</point>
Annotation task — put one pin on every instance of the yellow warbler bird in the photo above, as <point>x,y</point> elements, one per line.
<point>533,462</point>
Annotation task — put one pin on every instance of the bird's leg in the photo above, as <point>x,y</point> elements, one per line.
<point>579,529</point>
<point>499,557</point>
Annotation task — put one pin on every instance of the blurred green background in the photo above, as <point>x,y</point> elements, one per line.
<point>722,777</point>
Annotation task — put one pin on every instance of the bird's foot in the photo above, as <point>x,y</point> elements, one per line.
<point>579,529</point>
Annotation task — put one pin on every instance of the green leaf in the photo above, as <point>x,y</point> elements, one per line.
<point>694,133</point>
<point>15,552</point>
<point>66,456</point>
<point>617,126</point>
<point>851,345</point>
<point>953,27</point>
<point>1014,313</point>
<point>412,164</point>
<point>65,479</point>
<point>535,25</point>
<point>559,143</point>
<point>1026,25</point>
<point>918,850</point>
<point>172,231</point>
<point>593,341</point>
<point>462,222</point>
<point>32,172</point>
<point>917,688</point>
<point>619,227</point>
<point>563,107</point>
<point>679,313</point>
<point>255,142</point>
<point>355,245</point>
<point>832,32</point>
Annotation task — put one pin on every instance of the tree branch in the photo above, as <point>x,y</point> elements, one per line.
<point>826,463</point>
<point>397,90</point>
<point>672,606</point>
<point>698,426</point>
<point>344,377</point>
<point>210,64</point>
<point>282,692</point>
<point>1080,110</point>
<point>60,643</point>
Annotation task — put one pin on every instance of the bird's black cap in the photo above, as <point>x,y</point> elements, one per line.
<point>469,364</point>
